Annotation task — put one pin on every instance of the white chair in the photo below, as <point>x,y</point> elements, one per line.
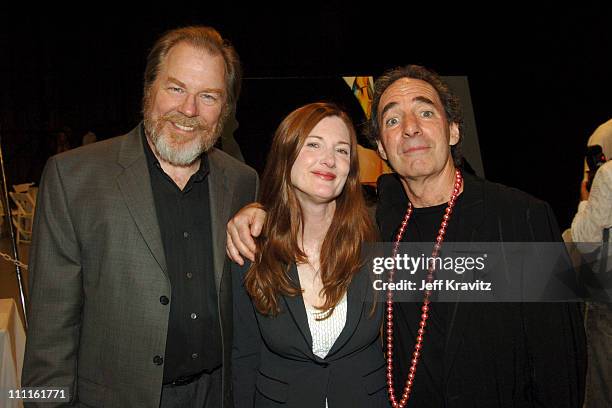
<point>33,192</point>
<point>23,215</point>
<point>22,188</point>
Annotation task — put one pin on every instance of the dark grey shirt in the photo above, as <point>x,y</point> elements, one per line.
<point>194,334</point>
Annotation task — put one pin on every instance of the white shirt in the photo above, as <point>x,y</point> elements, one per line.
<point>595,214</point>
<point>325,332</point>
<point>603,137</point>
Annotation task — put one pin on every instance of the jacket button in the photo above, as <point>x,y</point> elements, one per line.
<point>164,300</point>
<point>158,360</point>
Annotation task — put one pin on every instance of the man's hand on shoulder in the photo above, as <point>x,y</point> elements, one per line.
<point>241,229</point>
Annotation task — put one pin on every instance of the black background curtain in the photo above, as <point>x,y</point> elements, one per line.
<point>539,76</point>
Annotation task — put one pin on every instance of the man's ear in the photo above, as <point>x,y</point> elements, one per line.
<point>381,150</point>
<point>454,134</point>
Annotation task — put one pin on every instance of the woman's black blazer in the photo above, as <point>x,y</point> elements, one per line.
<point>272,360</point>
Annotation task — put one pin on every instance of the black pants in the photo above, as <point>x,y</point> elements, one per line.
<point>205,392</point>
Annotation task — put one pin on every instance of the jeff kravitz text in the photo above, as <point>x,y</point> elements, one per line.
<point>435,285</point>
<point>410,265</point>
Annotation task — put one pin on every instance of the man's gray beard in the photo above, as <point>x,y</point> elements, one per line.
<point>184,154</point>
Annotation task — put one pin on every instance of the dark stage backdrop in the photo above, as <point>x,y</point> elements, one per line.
<point>266,101</point>
<point>539,73</point>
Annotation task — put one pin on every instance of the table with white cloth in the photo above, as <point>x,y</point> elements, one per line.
<point>12,346</point>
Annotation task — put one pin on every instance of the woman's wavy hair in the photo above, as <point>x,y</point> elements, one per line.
<point>277,247</point>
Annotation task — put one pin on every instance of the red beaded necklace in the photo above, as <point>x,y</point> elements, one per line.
<point>425,308</point>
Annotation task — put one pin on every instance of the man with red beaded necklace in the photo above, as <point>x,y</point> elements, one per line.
<point>456,354</point>
<point>466,354</point>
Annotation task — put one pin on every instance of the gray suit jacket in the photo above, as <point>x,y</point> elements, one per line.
<point>98,270</point>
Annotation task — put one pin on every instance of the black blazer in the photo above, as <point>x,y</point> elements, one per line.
<point>501,354</point>
<point>272,360</point>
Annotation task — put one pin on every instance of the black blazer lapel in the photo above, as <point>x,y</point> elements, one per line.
<point>297,309</point>
<point>355,298</point>
<point>135,185</point>
<point>468,222</point>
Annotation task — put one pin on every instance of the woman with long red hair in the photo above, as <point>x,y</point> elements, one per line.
<point>305,334</point>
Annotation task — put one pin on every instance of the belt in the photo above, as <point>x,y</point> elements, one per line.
<point>188,379</point>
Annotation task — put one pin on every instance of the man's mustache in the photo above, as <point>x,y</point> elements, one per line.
<point>180,119</point>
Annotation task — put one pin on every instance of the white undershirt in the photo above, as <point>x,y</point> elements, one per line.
<point>325,332</point>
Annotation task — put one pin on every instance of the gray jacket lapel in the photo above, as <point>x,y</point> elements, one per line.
<point>220,211</point>
<point>135,185</point>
